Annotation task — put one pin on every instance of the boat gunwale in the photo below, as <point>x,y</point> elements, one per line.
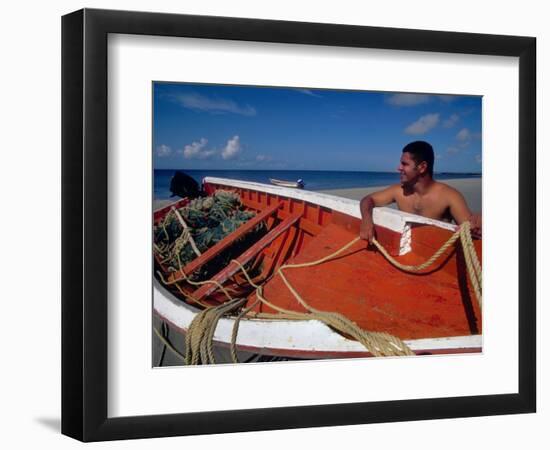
<point>381,215</point>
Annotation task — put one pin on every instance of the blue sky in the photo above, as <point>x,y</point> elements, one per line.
<point>199,126</point>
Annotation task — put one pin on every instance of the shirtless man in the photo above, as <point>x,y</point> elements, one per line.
<point>419,193</point>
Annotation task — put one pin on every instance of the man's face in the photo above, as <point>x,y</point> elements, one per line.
<point>408,170</point>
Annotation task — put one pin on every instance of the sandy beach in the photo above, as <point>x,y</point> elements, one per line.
<point>470,188</point>
<point>161,203</point>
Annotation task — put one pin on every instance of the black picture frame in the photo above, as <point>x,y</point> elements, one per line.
<point>84,224</point>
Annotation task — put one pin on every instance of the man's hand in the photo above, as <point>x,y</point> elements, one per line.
<point>475,225</point>
<point>366,205</point>
<point>366,231</point>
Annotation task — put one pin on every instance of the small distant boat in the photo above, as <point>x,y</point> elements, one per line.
<point>298,184</point>
<point>435,313</point>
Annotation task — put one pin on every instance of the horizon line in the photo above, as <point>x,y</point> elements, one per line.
<point>317,170</point>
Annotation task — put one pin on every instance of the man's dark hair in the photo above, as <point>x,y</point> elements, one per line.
<point>421,151</point>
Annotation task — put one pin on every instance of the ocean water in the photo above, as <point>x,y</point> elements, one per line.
<point>315,180</point>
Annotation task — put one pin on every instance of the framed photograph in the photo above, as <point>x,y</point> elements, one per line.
<point>300,216</point>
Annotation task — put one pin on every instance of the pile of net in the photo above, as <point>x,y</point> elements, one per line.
<point>209,220</point>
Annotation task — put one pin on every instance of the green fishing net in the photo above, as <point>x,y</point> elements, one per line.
<point>209,220</point>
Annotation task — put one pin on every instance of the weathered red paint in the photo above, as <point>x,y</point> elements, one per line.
<point>366,288</point>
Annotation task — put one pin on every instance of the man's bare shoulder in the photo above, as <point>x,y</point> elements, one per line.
<point>444,188</point>
<point>446,192</point>
<point>393,188</point>
<point>383,196</point>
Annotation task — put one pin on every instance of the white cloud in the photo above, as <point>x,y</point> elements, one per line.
<point>451,121</point>
<point>197,150</point>
<point>213,105</point>
<point>478,159</point>
<point>309,92</point>
<point>263,158</point>
<point>423,125</point>
<point>464,135</point>
<point>452,150</point>
<point>232,148</point>
<point>163,150</point>
<point>408,99</point>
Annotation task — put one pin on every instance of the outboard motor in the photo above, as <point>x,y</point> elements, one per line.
<point>183,185</point>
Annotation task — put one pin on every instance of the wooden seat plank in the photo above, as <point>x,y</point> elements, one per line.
<point>222,245</point>
<point>250,253</point>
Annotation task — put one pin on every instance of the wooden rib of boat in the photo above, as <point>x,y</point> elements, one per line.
<point>299,184</point>
<point>433,313</point>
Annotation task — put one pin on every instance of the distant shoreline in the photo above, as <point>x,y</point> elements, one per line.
<point>458,174</point>
<point>314,180</point>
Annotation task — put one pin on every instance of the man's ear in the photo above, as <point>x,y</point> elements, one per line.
<point>422,167</point>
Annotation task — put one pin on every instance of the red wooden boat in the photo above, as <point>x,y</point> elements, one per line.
<point>432,312</point>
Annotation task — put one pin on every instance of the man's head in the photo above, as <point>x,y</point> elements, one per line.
<point>417,161</point>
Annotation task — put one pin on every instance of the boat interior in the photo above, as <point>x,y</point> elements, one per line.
<point>359,283</point>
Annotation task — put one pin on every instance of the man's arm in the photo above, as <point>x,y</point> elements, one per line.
<point>461,213</point>
<point>380,198</point>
